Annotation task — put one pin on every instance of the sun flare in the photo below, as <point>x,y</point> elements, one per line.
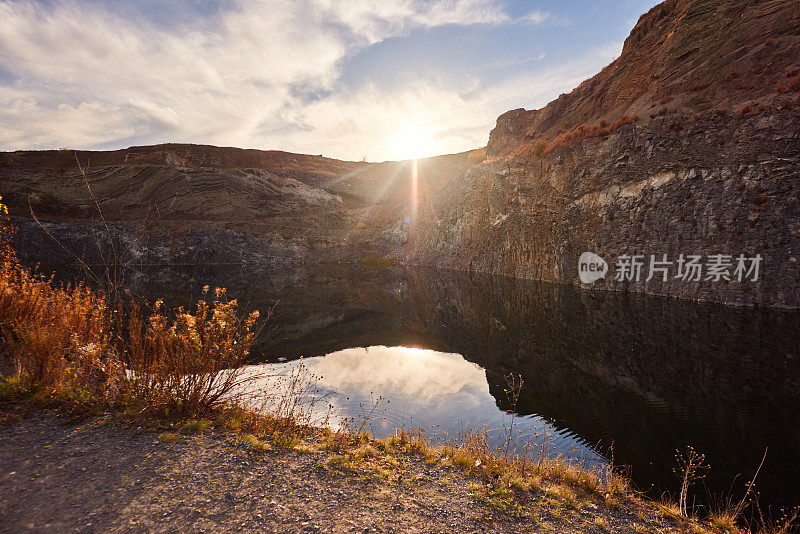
<point>413,140</point>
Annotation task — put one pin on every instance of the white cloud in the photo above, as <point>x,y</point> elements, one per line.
<point>83,76</point>
<point>535,17</point>
<point>366,122</point>
<point>375,21</point>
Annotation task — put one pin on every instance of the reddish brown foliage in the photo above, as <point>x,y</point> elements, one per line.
<point>585,131</point>
<point>69,342</point>
<point>700,86</point>
<point>745,111</point>
<point>660,113</point>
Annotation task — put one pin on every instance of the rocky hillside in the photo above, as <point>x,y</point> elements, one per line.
<point>687,144</point>
<point>191,203</point>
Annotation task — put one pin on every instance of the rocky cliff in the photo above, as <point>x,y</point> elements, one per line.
<point>686,145</point>
<point>204,204</point>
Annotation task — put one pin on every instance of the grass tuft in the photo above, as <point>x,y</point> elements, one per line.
<point>168,437</point>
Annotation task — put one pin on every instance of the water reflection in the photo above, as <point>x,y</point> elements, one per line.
<point>443,394</point>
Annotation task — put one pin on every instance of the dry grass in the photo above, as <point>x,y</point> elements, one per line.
<point>188,365</point>
<point>669,508</point>
<point>68,343</point>
<point>585,131</point>
<point>168,437</point>
<point>723,520</point>
<point>71,345</point>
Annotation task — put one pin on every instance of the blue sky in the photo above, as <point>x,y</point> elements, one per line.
<point>351,79</point>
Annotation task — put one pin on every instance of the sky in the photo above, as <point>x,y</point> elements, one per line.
<point>355,79</point>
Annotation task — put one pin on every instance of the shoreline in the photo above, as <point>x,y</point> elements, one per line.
<point>98,474</point>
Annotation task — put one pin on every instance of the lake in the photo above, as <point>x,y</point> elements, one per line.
<point>644,375</point>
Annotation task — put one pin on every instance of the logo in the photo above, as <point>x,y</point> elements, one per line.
<point>591,267</point>
<point>687,268</point>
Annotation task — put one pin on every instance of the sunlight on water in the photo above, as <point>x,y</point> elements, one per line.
<point>401,387</point>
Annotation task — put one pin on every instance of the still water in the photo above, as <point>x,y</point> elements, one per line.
<point>382,389</point>
<point>647,375</point>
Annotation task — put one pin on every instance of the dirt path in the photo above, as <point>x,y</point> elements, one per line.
<point>89,476</point>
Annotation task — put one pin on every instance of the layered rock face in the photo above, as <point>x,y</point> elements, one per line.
<point>688,144</point>
<point>203,204</point>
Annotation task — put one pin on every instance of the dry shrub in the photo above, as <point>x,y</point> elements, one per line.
<point>7,233</point>
<point>538,148</point>
<point>700,86</point>
<point>191,364</point>
<point>70,343</point>
<point>66,344</point>
<point>58,336</point>
<point>291,398</point>
<point>585,131</point>
<point>660,113</point>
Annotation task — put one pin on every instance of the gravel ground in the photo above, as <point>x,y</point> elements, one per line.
<point>91,476</point>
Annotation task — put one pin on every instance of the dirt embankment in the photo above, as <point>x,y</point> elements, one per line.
<point>91,476</point>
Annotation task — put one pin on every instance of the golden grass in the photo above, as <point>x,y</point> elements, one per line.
<point>584,131</point>
<point>168,437</point>
<point>254,442</point>
<point>723,520</point>
<point>669,508</point>
<point>197,426</point>
<point>68,343</point>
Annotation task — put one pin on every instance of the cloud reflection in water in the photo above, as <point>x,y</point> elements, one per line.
<point>439,392</point>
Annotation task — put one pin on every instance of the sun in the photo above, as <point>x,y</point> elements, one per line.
<point>413,140</point>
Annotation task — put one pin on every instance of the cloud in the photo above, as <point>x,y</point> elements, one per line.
<point>375,21</point>
<point>364,122</point>
<point>83,75</point>
<point>255,74</point>
<point>535,17</point>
